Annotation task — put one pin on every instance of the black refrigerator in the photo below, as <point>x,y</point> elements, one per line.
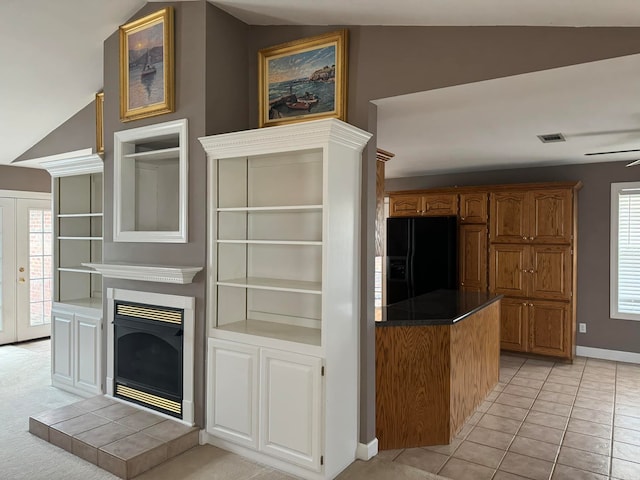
<point>421,256</point>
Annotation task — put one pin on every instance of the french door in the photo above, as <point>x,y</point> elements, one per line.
<point>26,267</point>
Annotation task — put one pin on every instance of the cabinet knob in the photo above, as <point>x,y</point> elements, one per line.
<point>531,271</point>
<point>524,303</point>
<point>461,218</point>
<point>524,237</point>
<point>530,238</point>
<point>21,280</point>
<point>21,269</point>
<point>531,304</point>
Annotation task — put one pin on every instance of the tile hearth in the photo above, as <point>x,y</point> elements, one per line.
<point>117,437</point>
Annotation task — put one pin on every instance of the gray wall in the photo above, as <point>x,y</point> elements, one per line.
<point>201,36</point>
<point>594,216</point>
<point>75,134</point>
<point>24,179</point>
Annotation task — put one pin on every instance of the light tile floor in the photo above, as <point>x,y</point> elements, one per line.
<point>545,420</point>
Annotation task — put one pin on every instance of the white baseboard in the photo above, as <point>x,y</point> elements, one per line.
<point>366,451</point>
<point>604,354</point>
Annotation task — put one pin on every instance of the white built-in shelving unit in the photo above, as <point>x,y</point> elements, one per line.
<point>283,299</point>
<point>76,345</point>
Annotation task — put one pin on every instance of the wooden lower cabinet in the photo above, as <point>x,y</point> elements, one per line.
<point>550,328</point>
<point>543,327</point>
<point>513,324</point>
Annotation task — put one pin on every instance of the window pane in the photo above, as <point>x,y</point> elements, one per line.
<point>629,252</point>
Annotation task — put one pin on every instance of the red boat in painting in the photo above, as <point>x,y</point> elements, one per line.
<point>304,102</point>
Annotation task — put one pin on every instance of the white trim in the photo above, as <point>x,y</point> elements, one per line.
<point>74,165</point>
<point>284,138</point>
<point>174,301</point>
<point>37,162</point>
<point>366,451</point>
<point>25,194</point>
<point>146,273</point>
<point>604,354</point>
<point>616,188</point>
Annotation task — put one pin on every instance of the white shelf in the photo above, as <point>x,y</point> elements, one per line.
<point>79,238</point>
<point>274,284</point>
<point>272,242</point>
<point>280,331</point>
<point>94,303</point>
<point>146,273</point>
<point>160,154</point>
<point>79,215</point>
<point>79,269</point>
<point>275,209</point>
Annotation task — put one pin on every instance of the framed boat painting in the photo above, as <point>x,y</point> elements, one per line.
<point>146,66</point>
<point>303,80</point>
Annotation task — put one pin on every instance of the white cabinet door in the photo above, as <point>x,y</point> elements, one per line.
<point>233,392</point>
<point>291,400</point>
<point>87,353</point>
<point>62,347</point>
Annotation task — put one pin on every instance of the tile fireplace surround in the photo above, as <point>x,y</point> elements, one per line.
<point>117,437</point>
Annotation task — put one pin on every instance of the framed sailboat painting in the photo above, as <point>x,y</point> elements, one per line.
<point>146,66</point>
<point>303,80</point>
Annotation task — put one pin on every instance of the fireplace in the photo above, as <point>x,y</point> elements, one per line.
<point>150,351</point>
<point>148,354</point>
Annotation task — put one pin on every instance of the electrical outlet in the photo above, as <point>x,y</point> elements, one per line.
<point>582,327</point>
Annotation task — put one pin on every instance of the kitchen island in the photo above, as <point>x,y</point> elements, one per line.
<point>437,358</point>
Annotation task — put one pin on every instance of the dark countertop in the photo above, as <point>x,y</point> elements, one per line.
<point>440,307</point>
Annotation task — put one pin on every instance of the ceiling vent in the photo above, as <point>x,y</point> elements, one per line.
<point>551,137</point>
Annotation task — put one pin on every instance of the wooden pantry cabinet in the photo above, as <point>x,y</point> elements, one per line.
<point>532,261</point>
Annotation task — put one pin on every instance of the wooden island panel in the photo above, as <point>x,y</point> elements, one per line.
<point>430,379</point>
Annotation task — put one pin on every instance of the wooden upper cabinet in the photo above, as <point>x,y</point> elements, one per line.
<point>405,205</point>
<point>551,217</point>
<point>509,217</point>
<point>440,204</point>
<point>410,205</point>
<point>473,258</point>
<point>534,216</point>
<point>473,207</point>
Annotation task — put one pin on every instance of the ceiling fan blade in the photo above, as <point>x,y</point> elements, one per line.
<point>615,151</point>
<point>635,162</point>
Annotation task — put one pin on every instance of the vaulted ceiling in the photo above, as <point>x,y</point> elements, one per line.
<point>51,53</point>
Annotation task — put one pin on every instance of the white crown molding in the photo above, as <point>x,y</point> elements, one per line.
<point>146,273</point>
<point>298,136</point>
<point>65,166</point>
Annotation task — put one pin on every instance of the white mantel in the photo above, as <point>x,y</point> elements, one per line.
<point>146,273</point>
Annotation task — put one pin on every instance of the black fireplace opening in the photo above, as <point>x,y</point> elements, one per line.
<point>148,356</point>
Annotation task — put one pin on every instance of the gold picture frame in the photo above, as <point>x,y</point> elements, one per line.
<point>99,122</point>
<point>147,66</point>
<point>303,80</point>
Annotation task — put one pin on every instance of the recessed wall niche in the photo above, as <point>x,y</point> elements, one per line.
<point>150,187</point>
